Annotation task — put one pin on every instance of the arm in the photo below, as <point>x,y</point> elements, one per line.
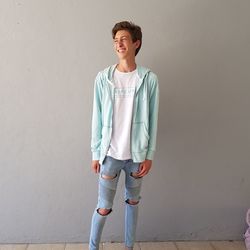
<point>96,135</point>
<point>153,118</point>
<point>146,165</point>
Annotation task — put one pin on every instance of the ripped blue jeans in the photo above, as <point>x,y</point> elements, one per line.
<point>108,178</point>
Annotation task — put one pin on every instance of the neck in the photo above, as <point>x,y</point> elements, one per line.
<point>126,65</point>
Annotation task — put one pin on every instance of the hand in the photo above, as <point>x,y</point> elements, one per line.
<point>95,166</point>
<point>144,168</point>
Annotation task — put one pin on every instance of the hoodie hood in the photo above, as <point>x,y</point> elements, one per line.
<point>142,72</point>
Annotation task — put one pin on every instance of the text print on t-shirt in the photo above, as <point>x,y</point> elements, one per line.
<point>124,92</point>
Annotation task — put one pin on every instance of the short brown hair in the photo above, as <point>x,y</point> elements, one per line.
<point>133,29</point>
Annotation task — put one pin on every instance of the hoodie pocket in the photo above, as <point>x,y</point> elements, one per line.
<point>140,137</point>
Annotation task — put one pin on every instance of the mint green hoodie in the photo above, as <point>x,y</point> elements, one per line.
<point>144,120</point>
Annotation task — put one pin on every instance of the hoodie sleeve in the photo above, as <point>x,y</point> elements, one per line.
<point>153,117</point>
<point>96,135</point>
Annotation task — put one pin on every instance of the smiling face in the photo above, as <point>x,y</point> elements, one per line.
<point>124,46</point>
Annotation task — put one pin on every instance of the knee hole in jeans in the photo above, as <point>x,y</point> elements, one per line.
<point>132,202</point>
<point>107,177</point>
<point>104,211</point>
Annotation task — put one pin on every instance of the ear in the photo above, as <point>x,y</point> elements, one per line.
<point>137,44</point>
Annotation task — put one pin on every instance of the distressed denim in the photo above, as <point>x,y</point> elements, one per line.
<point>107,188</point>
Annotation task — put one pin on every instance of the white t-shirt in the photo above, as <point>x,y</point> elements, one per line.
<point>125,83</point>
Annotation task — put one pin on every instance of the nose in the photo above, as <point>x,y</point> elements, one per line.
<point>119,43</point>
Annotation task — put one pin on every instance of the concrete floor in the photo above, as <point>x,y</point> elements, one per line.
<point>171,245</point>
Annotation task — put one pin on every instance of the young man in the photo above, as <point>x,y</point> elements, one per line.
<point>124,126</point>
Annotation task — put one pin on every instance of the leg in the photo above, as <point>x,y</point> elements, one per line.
<point>108,179</point>
<point>132,197</point>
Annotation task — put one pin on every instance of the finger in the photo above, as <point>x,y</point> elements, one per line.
<point>98,168</point>
<point>95,168</point>
<point>142,172</point>
<point>141,168</point>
